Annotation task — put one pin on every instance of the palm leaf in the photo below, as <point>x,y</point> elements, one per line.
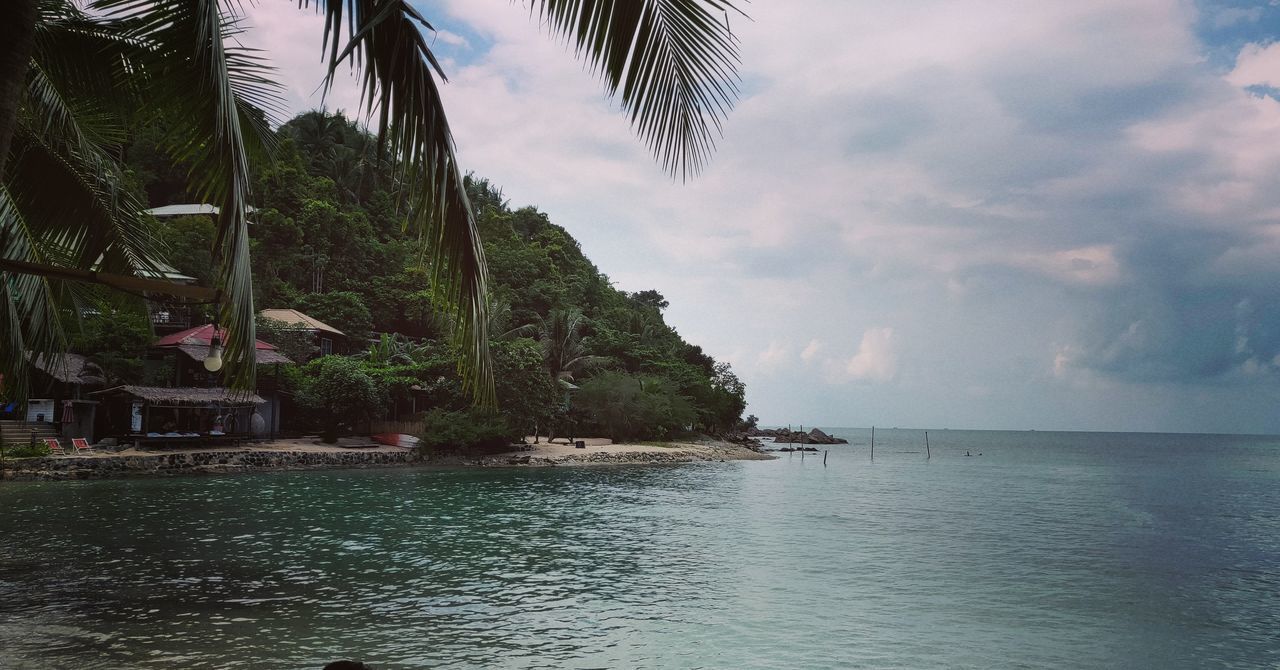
<point>216,99</point>
<point>398,73</point>
<point>64,202</point>
<point>30,322</point>
<point>674,62</point>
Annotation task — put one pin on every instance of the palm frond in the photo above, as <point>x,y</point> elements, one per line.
<point>674,63</point>
<point>65,205</point>
<point>398,71</point>
<point>30,322</point>
<point>215,98</point>
<point>83,81</point>
<point>79,213</point>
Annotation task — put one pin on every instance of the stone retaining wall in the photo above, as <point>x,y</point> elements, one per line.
<point>196,462</point>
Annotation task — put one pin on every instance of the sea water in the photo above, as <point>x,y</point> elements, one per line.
<point>1061,550</point>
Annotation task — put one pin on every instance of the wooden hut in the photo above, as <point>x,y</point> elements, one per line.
<point>190,347</point>
<point>178,416</point>
<point>59,394</point>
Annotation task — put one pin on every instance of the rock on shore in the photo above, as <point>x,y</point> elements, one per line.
<point>815,436</point>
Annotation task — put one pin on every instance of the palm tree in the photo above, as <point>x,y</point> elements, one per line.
<point>562,349</point>
<point>672,63</point>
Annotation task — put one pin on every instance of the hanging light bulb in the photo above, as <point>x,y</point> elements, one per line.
<point>213,362</point>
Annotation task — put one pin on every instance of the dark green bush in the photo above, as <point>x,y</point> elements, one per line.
<point>339,395</point>
<point>630,407</point>
<point>23,450</point>
<point>465,430</point>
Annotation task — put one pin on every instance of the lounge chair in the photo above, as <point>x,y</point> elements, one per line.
<point>81,445</point>
<point>55,446</point>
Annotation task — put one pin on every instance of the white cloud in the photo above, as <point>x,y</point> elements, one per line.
<point>876,359</point>
<point>811,351</point>
<point>1257,65</point>
<point>776,355</point>
<point>290,38</point>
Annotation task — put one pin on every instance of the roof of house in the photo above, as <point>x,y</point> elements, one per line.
<point>201,335</point>
<point>66,368</point>
<point>295,318</point>
<point>188,395</point>
<point>191,209</point>
<point>199,352</point>
<point>195,343</point>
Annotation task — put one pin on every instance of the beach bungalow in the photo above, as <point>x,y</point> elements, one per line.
<point>57,404</point>
<point>325,339</point>
<point>181,415</point>
<point>186,352</point>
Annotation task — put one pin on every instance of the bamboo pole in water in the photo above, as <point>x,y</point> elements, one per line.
<point>873,443</point>
<point>927,454</point>
<point>824,458</point>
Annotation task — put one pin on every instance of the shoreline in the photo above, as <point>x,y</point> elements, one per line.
<point>310,454</point>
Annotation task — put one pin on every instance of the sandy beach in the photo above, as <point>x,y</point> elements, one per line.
<point>603,451</point>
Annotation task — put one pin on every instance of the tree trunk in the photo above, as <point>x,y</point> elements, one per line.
<point>17,36</point>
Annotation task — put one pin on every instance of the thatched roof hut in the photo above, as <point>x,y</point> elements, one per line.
<point>67,368</point>
<point>187,395</point>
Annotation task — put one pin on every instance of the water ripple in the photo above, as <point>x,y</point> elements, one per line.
<point>1048,551</point>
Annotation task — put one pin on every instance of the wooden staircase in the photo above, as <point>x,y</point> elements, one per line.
<point>19,432</point>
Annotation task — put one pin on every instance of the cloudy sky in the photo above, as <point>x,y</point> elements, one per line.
<point>1050,215</point>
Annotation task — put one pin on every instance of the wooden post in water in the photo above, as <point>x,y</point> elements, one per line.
<point>824,458</point>
<point>873,443</point>
<point>927,454</point>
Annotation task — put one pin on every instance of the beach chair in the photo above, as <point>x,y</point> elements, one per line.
<point>55,446</point>
<point>81,445</point>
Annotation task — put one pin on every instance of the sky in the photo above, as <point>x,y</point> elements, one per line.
<point>936,214</point>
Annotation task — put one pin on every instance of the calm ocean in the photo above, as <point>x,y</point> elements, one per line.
<point>1050,550</point>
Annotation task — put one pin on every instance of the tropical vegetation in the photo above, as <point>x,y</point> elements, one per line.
<point>570,353</point>
<point>78,87</point>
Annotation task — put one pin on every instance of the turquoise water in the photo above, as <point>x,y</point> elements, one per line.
<point>1079,550</point>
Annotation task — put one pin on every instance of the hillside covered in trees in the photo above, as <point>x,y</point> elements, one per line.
<point>572,354</point>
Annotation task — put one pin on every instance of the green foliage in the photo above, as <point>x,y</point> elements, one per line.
<point>297,344</point>
<point>630,407</point>
<point>343,310</point>
<point>330,240</point>
<point>467,429</point>
<point>189,246</point>
<point>340,394</point>
<point>23,450</point>
<point>115,338</point>
<point>527,396</point>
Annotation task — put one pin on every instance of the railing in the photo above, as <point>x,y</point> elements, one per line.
<point>171,318</point>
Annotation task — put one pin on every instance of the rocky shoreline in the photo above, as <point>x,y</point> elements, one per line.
<point>783,435</point>
<point>293,456</point>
